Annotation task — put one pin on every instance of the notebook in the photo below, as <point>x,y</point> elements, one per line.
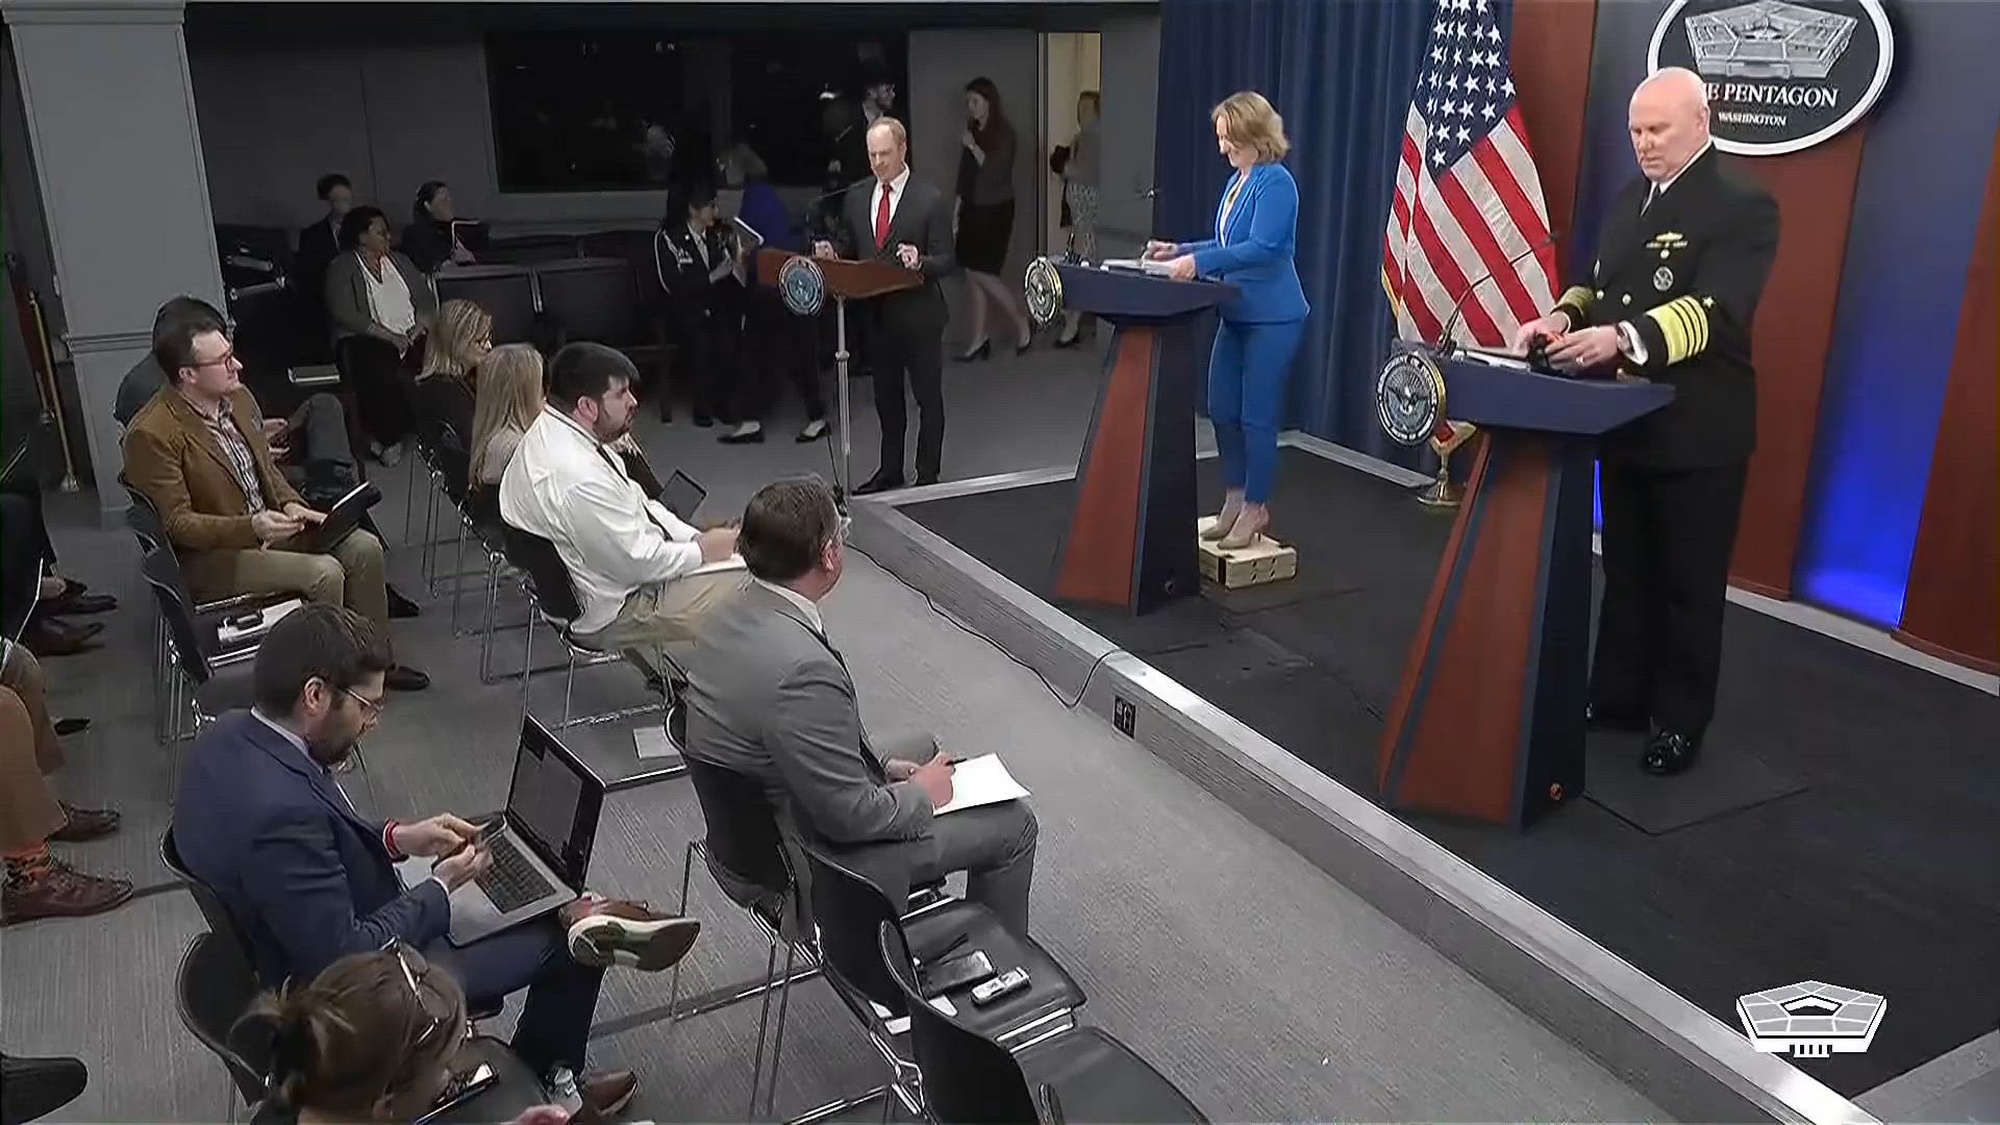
<point>981,781</point>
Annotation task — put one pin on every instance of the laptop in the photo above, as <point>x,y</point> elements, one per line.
<point>540,861</point>
<point>681,495</point>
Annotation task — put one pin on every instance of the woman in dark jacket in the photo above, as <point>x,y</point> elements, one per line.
<point>428,239</point>
<point>985,217</point>
<point>381,305</point>
<point>696,262</point>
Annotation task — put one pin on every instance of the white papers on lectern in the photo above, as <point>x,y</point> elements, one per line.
<point>981,781</point>
<point>1135,265</point>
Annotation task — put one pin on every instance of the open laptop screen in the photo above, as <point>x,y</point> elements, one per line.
<point>555,801</point>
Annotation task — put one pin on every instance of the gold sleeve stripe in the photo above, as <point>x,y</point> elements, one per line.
<point>1577,297</point>
<point>1683,324</point>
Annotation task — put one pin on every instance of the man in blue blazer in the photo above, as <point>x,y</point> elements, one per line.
<point>308,879</point>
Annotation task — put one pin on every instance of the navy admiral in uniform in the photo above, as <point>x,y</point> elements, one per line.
<point>1682,260</point>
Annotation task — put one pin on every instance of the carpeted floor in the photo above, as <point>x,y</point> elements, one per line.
<point>1879,873</point>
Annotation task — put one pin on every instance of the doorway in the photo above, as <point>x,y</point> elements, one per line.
<point>1071,64</point>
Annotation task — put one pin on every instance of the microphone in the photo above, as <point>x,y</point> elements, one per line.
<point>1445,345</point>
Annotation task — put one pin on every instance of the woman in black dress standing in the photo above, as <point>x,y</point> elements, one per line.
<point>985,217</point>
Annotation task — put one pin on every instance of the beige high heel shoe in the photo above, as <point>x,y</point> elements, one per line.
<point>1232,507</point>
<point>1253,520</point>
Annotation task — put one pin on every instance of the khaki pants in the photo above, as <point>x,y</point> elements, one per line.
<point>667,617</point>
<point>350,575</point>
<point>28,751</point>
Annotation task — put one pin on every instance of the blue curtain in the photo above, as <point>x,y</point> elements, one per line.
<point>1340,71</point>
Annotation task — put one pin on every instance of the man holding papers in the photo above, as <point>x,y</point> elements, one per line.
<point>771,698</point>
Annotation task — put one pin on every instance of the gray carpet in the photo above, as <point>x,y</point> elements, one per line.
<point>1264,989</point>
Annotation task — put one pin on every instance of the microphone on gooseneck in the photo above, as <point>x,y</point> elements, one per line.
<point>1445,345</point>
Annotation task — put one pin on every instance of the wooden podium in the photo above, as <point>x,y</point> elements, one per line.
<point>843,280</point>
<point>1488,721</point>
<point>1131,539</point>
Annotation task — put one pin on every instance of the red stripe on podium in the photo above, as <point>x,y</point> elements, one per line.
<point>1100,555</point>
<point>1951,607</point>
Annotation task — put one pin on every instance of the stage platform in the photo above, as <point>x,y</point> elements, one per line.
<point>1840,826</point>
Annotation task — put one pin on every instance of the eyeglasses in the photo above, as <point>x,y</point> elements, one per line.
<point>415,969</point>
<point>373,707</point>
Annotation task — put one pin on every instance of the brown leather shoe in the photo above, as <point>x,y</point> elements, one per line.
<point>606,1093</point>
<point>85,824</point>
<point>47,637</point>
<point>612,932</point>
<point>51,889</point>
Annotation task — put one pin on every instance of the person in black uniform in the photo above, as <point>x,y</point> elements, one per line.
<point>698,263</point>
<point>1682,261</point>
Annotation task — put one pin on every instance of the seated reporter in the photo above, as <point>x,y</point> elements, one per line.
<point>311,447</point>
<point>239,527</point>
<point>261,821</point>
<point>771,697</point>
<point>376,1037</point>
<point>445,391</point>
<point>381,306</point>
<point>644,578</point>
<point>38,884</point>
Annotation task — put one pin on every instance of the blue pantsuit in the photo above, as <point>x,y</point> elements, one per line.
<point>1256,227</point>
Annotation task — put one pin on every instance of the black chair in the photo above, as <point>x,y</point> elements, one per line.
<point>213,989</point>
<point>506,292</point>
<point>211,680</point>
<point>744,843</point>
<point>546,580</point>
<point>593,299</point>
<point>849,909</point>
<point>970,1077</point>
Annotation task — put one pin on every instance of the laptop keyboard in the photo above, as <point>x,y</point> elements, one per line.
<point>512,882</point>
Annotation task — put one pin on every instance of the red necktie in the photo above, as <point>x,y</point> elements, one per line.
<point>882,218</point>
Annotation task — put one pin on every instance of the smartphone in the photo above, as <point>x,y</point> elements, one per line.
<point>485,834</point>
<point>463,1087</point>
<point>960,971</point>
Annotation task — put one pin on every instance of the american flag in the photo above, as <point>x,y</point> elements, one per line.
<point>1467,196</point>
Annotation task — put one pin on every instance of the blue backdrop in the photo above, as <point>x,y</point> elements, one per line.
<point>1340,73</point>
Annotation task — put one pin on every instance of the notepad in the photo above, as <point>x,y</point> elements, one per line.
<point>1136,265</point>
<point>981,781</point>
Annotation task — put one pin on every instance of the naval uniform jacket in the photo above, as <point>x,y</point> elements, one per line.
<point>682,271</point>
<point>1685,276</point>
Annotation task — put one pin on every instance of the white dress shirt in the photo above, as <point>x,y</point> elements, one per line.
<point>900,186</point>
<point>566,487</point>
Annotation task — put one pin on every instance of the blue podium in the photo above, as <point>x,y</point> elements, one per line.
<point>1131,538</point>
<point>1488,720</point>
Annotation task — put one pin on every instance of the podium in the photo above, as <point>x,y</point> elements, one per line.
<point>1131,538</point>
<point>1488,720</point>
<point>804,289</point>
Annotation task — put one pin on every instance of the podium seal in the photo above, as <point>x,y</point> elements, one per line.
<point>802,286</point>
<point>1409,397</point>
<point>1043,286</point>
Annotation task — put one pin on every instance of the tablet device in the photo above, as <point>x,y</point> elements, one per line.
<point>343,518</point>
<point>682,495</point>
<point>753,239</point>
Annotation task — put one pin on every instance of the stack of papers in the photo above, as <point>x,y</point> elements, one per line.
<point>1159,269</point>
<point>981,781</point>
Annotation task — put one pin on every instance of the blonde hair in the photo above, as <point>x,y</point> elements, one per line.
<point>1250,122</point>
<point>460,325</point>
<point>510,394</point>
<point>359,1034</point>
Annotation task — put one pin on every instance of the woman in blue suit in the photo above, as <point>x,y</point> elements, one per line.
<point>1256,235</point>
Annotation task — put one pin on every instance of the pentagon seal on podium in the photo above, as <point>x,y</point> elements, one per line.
<point>1044,289</point>
<point>1409,397</point>
<point>802,286</point>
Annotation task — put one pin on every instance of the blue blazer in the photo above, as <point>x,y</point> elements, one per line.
<point>304,876</point>
<point>1254,251</point>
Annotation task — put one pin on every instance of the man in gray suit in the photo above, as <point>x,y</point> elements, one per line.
<point>769,696</point>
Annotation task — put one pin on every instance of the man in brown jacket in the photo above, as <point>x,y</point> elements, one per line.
<point>198,451</point>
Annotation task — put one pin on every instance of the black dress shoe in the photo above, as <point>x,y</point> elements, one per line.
<point>880,482</point>
<point>1595,719</point>
<point>924,479</point>
<point>402,678</point>
<point>400,606</point>
<point>1669,753</point>
<point>36,1087</point>
<point>67,727</point>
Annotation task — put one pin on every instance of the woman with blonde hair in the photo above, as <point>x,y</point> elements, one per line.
<point>508,401</point>
<point>461,338</point>
<point>372,1038</point>
<point>1252,247</point>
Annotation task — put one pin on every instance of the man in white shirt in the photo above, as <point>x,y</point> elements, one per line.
<point>643,576</point>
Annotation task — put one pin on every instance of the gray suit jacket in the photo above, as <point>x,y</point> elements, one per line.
<point>347,305</point>
<point>768,697</point>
